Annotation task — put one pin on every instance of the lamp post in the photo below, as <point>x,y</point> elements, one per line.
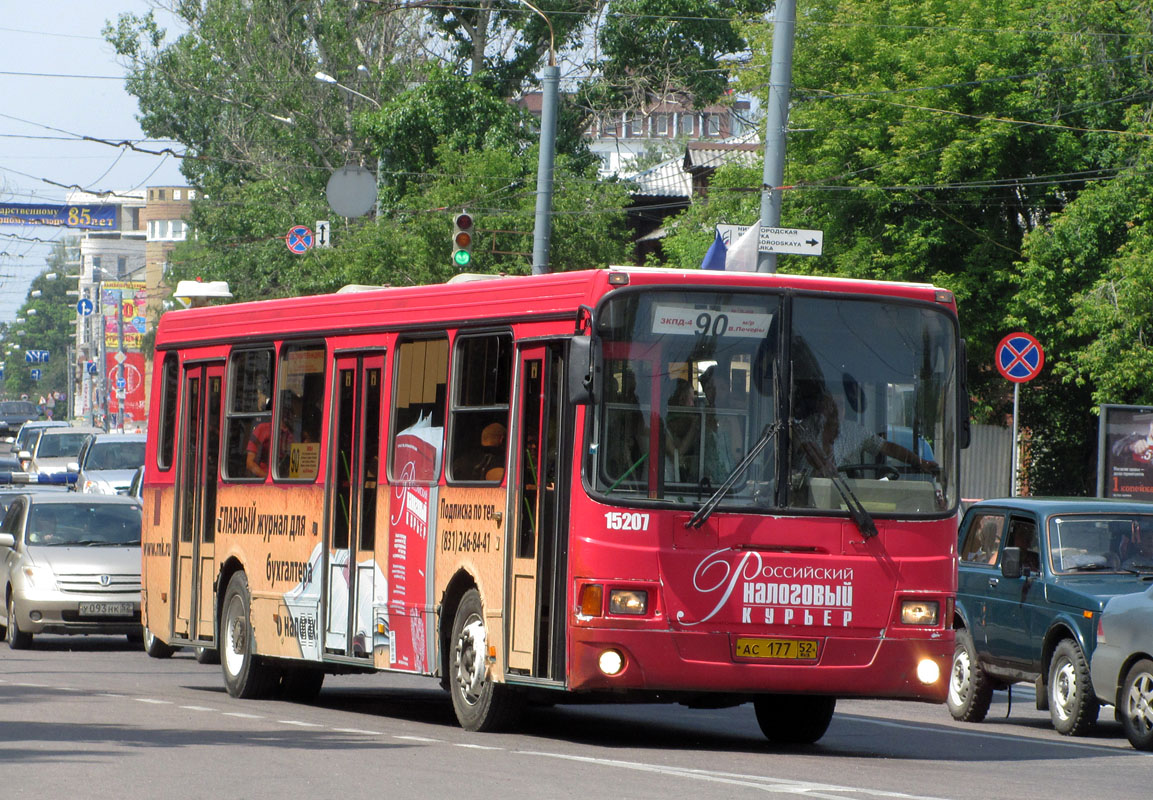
<point>324,77</point>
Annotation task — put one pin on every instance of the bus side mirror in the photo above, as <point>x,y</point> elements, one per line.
<point>1011,562</point>
<point>580,378</point>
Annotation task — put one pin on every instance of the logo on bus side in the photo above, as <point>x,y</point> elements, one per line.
<point>792,594</point>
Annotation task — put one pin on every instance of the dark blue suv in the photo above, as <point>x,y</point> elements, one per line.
<point>1034,575</point>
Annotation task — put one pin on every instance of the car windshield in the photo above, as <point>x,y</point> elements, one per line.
<point>60,445</point>
<point>114,455</point>
<point>83,524</point>
<point>693,381</point>
<point>1101,542</point>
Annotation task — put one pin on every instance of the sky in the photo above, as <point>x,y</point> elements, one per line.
<point>60,81</point>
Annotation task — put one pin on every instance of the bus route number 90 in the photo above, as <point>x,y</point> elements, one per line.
<point>626,521</point>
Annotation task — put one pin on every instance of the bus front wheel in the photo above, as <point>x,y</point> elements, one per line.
<point>245,674</point>
<point>794,718</point>
<point>480,703</point>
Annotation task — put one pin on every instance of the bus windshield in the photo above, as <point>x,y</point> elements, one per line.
<point>856,397</point>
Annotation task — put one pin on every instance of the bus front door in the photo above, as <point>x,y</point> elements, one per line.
<point>352,480</point>
<point>195,565</point>
<point>539,555</point>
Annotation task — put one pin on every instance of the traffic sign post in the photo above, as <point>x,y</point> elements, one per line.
<point>1019,358</point>
<point>299,239</point>
<point>36,356</point>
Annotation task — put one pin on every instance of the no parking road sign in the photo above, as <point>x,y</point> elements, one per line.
<point>299,239</point>
<point>1019,357</point>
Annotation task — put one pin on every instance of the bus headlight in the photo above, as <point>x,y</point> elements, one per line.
<point>628,601</point>
<point>920,612</point>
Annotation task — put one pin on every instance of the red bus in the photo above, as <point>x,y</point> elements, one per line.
<point>633,484</point>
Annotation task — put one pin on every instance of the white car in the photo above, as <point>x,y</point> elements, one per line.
<point>107,462</point>
<point>70,564</point>
<point>55,450</point>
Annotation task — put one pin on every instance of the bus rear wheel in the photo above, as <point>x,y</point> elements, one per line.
<point>794,718</point>
<point>480,703</point>
<point>245,675</point>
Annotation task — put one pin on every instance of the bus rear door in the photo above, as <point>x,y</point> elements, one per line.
<point>539,553</point>
<point>201,391</point>
<point>352,482</point>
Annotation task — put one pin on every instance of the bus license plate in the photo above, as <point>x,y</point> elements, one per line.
<point>107,609</point>
<point>789,649</point>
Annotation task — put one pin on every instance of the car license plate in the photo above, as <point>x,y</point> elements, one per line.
<point>107,609</point>
<point>789,649</point>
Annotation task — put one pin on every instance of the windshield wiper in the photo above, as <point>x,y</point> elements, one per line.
<point>857,512</point>
<point>709,506</point>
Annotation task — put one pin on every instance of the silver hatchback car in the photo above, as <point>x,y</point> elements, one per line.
<point>70,565</point>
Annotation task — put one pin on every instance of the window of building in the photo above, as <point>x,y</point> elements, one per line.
<point>299,404</point>
<point>175,194</point>
<point>249,414</point>
<point>713,125</point>
<point>661,125</point>
<point>482,383</point>
<point>121,266</point>
<point>688,124</point>
<point>419,395</point>
<point>178,230</point>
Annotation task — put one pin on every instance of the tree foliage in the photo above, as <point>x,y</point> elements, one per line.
<point>49,324</point>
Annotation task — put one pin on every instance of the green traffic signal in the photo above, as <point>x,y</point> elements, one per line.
<point>462,258</point>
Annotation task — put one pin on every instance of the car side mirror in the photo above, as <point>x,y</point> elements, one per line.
<point>7,540</point>
<point>24,455</point>
<point>1011,562</point>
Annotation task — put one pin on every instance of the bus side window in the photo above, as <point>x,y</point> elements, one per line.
<point>300,400</point>
<point>249,407</point>
<point>478,449</point>
<point>167,427</point>
<point>418,402</point>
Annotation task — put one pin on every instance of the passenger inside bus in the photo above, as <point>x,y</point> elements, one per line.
<point>484,462</point>
<point>260,444</point>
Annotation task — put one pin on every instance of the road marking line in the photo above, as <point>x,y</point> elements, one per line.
<point>153,701</point>
<point>300,723</point>
<point>358,730</point>
<point>476,746</point>
<point>416,738</point>
<point>242,715</point>
<point>198,708</point>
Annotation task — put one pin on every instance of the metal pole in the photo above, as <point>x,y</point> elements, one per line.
<point>544,173</point>
<point>103,359</point>
<point>777,121</point>
<point>1013,458</point>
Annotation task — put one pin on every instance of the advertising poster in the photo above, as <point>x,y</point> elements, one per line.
<point>1125,452</point>
<point>126,381</point>
<point>412,508</point>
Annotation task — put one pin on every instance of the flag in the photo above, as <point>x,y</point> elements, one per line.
<point>742,256</point>
<point>715,258</point>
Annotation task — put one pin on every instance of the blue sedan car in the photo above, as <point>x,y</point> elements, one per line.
<point>1034,576</point>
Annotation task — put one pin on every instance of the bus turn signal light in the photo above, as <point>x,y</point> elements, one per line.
<point>592,600</point>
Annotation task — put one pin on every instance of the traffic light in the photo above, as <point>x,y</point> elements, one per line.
<point>462,240</point>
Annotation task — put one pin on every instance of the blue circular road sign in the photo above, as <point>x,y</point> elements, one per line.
<point>1019,357</point>
<point>84,307</point>
<point>299,239</point>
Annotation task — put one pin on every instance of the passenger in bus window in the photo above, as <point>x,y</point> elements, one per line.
<point>485,462</point>
<point>683,431</point>
<point>723,438</point>
<point>260,445</point>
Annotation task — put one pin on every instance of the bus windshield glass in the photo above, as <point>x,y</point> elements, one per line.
<point>855,397</point>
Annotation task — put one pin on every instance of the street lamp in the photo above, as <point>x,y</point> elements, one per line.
<point>324,77</point>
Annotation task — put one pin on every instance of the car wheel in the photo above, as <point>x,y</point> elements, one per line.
<point>156,648</point>
<point>246,675</point>
<point>207,655</point>
<point>1072,705</point>
<point>480,703</point>
<point>1135,708</point>
<point>17,639</point>
<point>794,718</point>
<point>970,689</point>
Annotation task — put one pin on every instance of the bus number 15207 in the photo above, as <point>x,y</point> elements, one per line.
<point>626,521</point>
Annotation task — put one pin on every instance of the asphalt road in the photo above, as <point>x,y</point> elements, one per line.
<point>93,717</point>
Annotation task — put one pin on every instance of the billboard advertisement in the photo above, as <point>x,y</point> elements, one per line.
<point>1125,452</point>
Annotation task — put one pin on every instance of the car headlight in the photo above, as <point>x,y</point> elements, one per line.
<point>40,577</point>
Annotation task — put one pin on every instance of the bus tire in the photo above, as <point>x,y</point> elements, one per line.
<point>206,655</point>
<point>970,689</point>
<point>1073,706</point>
<point>480,703</point>
<point>156,648</point>
<point>300,684</point>
<point>246,675</point>
<point>794,718</point>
